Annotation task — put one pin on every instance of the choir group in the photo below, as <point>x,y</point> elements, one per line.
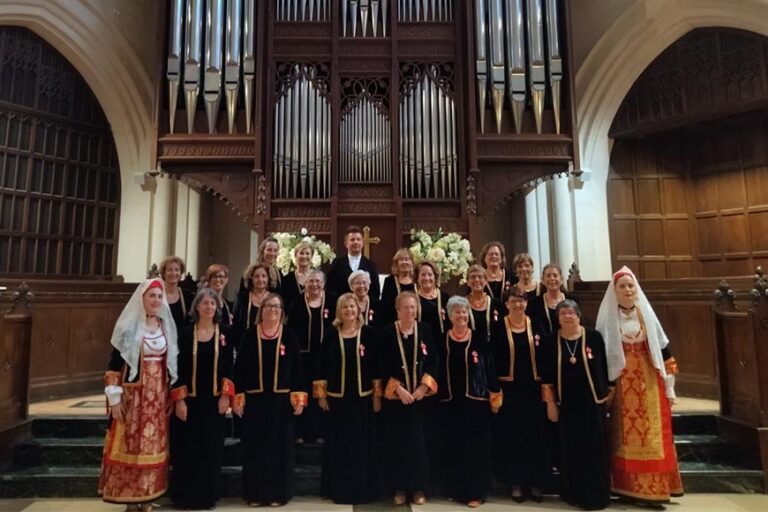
<point>411,392</point>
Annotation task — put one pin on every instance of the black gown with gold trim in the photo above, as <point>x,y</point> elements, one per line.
<point>580,384</point>
<point>468,389</point>
<point>521,439</point>
<point>389,292</point>
<point>408,361</point>
<point>270,380</point>
<point>197,444</point>
<point>346,376</point>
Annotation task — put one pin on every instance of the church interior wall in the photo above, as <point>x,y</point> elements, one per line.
<point>505,224</point>
<point>226,239</point>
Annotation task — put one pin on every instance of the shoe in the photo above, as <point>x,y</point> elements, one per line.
<point>517,494</point>
<point>536,495</point>
<point>254,504</point>
<point>474,503</point>
<point>419,498</point>
<point>399,498</point>
<point>276,504</point>
<point>320,440</point>
<point>299,440</point>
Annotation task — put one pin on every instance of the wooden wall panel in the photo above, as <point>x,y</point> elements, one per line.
<point>739,362</point>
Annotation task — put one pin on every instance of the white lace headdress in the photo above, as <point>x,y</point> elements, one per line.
<point>608,324</point>
<point>129,331</point>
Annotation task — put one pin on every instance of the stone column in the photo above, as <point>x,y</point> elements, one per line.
<point>565,246</point>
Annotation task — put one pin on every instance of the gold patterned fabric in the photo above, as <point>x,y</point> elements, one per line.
<point>135,462</point>
<point>644,464</point>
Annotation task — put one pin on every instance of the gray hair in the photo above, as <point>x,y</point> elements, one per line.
<point>358,273</point>
<point>315,272</point>
<point>570,304</point>
<point>203,293</point>
<point>457,301</point>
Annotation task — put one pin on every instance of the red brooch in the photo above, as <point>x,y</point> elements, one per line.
<point>495,315</point>
<point>507,284</point>
<point>474,356</point>
<point>370,315</point>
<point>536,340</point>
<point>282,349</point>
<point>362,350</point>
<point>589,353</point>
<point>442,314</point>
<point>423,348</point>
<point>325,313</point>
<point>222,340</point>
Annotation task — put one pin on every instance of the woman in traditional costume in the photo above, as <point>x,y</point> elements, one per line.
<point>270,384</point>
<point>494,260</point>
<point>248,304</point>
<point>402,279</point>
<point>360,283</point>
<point>310,317</point>
<point>543,308</point>
<point>644,460</point>
<point>485,311</point>
<point>202,396</point>
<point>217,277</point>
<point>141,369</point>
<point>469,392</point>
<point>575,387</point>
<point>293,283</point>
<point>409,366</point>
<point>520,438</point>
<point>348,391</point>
<point>172,271</point>
<point>523,265</point>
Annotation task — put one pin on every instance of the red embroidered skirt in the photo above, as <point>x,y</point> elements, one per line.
<point>135,463</point>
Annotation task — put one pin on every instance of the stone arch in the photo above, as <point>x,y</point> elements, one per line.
<point>113,71</point>
<point>620,56</point>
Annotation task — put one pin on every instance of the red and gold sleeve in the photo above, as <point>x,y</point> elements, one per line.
<point>497,400</point>
<point>390,393</point>
<point>431,384</point>
<point>378,388</point>
<point>547,392</point>
<point>239,400</point>
<point>227,387</point>
<point>179,393</point>
<point>320,389</point>
<point>112,378</point>
<point>670,365</point>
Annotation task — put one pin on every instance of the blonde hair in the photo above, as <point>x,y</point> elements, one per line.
<point>345,297</point>
<point>477,269</point>
<point>303,245</point>
<point>215,269</point>
<point>403,296</point>
<point>400,254</point>
<point>521,257</point>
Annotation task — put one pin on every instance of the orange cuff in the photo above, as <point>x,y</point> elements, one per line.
<point>390,393</point>
<point>497,400</point>
<point>378,388</point>
<point>670,365</point>
<point>299,398</point>
<point>179,393</point>
<point>320,389</point>
<point>113,378</point>
<point>431,383</point>
<point>227,387</point>
<point>239,400</point>
<point>547,393</point>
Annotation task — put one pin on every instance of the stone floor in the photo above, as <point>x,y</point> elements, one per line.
<point>690,503</point>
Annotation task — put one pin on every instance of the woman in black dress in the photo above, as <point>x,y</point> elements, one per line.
<point>268,372</point>
<point>202,396</point>
<point>469,392</point>
<point>310,317</point>
<point>347,390</point>
<point>360,283</point>
<point>172,271</point>
<point>432,301</point>
<point>520,430</point>
<point>523,265</point>
<point>409,367</point>
<point>402,279</point>
<point>217,277</point>
<point>575,387</point>
<point>544,307</point>
<point>248,304</point>
<point>293,283</point>
<point>485,312</point>
<point>493,258</point>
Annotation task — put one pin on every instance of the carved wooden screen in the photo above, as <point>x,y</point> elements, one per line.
<point>59,176</point>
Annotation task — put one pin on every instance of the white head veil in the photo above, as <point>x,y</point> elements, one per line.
<point>608,325</point>
<point>129,331</point>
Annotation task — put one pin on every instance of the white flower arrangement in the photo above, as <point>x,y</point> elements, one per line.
<point>449,251</point>
<point>287,242</point>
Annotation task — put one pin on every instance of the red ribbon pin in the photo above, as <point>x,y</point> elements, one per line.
<point>282,349</point>
<point>474,356</point>
<point>423,348</point>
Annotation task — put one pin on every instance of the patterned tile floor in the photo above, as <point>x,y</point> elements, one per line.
<point>690,503</point>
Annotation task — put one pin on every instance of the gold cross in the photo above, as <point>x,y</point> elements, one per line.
<point>368,240</point>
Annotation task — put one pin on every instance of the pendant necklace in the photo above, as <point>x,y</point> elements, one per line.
<point>571,359</point>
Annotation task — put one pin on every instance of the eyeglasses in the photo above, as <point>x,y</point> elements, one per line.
<point>271,306</point>
<point>219,276</point>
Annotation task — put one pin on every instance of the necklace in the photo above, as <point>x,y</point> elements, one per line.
<point>478,303</point>
<point>571,359</point>
<point>460,337</point>
<point>517,327</point>
<point>552,303</point>
<point>269,336</point>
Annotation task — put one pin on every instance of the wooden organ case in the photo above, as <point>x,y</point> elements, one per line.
<point>396,114</point>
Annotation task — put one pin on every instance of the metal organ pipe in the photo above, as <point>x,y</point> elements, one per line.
<point>173,72</point>
<point>249,59</point>
<point>425,10</point>
<point>555,59</point>
<point>366,13</point>
<point>193,56</point>
<point>516,82</point>
<point>232,60</point>
<point>214,35</point>
<point>302,10</point>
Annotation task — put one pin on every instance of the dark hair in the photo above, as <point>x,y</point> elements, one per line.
<point>484,251</point>
<point>353,229</point>
<point>521,257</point>
<point>433,266</point>
<point>203,293</point>
<point>249,273</point>
<point>571,304</point>
<point>514,291</point>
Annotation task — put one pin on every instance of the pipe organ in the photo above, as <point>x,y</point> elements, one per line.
<point>396,114</point>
